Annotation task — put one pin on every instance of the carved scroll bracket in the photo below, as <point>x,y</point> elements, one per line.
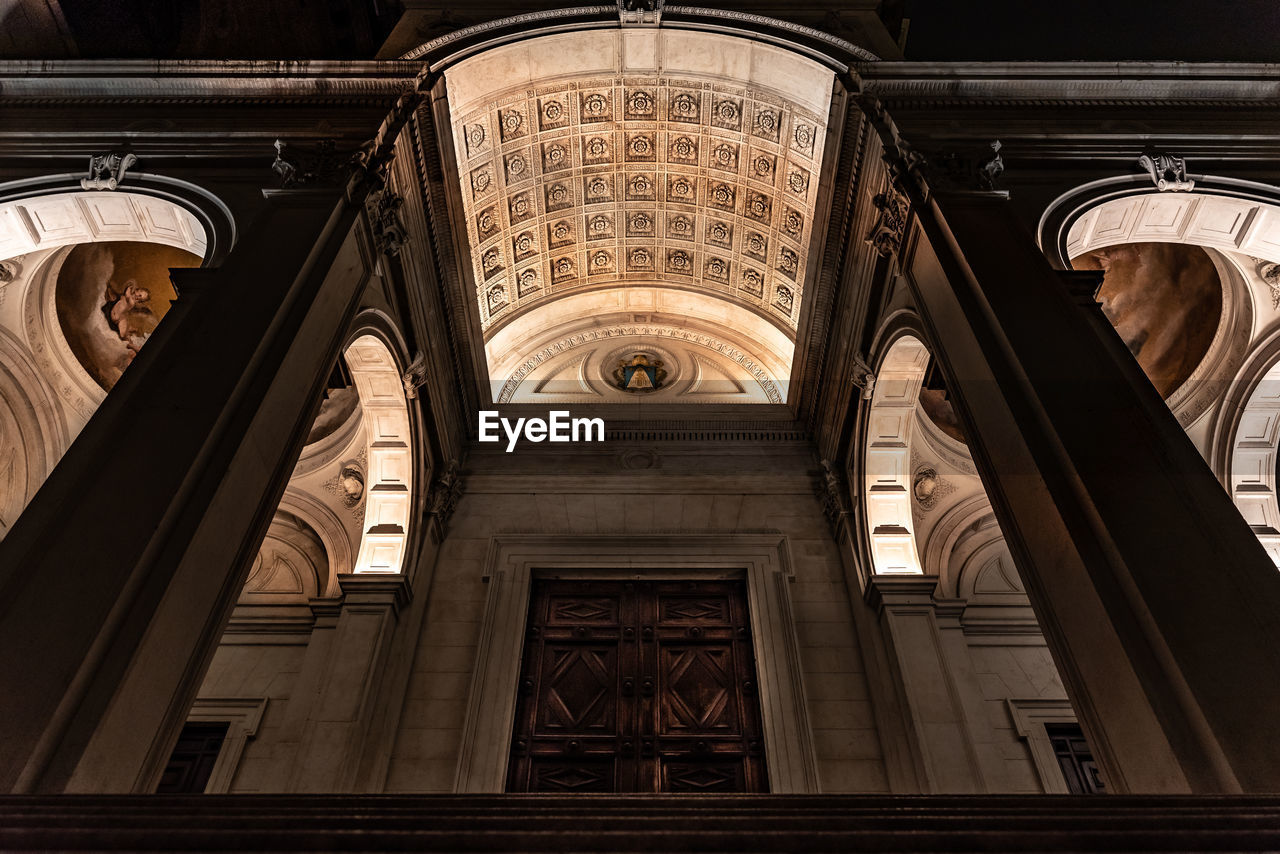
<point>1168,172</point>
<point>414,376</point>
<point>644,12</point>
<point>863,377</point>
<point>107,171</point>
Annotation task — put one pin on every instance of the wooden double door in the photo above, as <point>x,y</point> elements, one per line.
<point>637,687</point>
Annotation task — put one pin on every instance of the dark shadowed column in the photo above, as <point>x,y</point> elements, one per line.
<point>117,580</point>
<point>1160,606</point>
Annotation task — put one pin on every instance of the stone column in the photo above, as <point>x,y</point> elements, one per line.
<point>1160,607</point>
<point>117,580</point>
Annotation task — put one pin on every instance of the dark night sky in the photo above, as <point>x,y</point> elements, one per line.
<point>1191,30</point>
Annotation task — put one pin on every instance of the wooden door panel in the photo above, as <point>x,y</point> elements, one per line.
<point>578,690</point>
<point>555,774</point>
<point>681,775</point>
<point>696,691</point>
<point>637,687</point>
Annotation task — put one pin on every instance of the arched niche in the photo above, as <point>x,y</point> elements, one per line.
<point>918,471</point>
<point>389,472</point>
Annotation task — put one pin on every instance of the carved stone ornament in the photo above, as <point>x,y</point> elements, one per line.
<point>863,377</point>
<point>414,376</point>
<point>389,230</point>
<point>891,223</point>
<point>640,11</point>
<point>835,498</point>
<point>1168,172</point>
<point>1269,272</point>
<point>9,271</point>
<point>106,171</point>
<point>348,485</point>
<point>927,487</point>
<point>445,493</point>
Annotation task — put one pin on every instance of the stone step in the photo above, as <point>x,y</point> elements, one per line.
<point>621,823</point>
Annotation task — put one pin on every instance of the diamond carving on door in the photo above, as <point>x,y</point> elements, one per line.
<point>637,687</point>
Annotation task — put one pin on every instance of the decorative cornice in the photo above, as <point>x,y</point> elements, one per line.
<point>840,46</point>
<point>835,50</point>
<point>527,21</point>
<point>1162,84</point>
<point>202,81</point>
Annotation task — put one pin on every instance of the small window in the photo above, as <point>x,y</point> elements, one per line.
<point>1074,758</point>
<point>193,758</point>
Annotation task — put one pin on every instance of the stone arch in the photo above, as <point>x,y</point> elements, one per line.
<point>47,392</point>
<point>389,470</point>
<point>1223,225</point>
<point>1238,224</point>
<point>887,460</point>
<point>968,525</point>
<point>1219,213</point>
<point>1246,440</point>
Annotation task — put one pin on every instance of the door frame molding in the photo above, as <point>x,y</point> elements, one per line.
<point>762,558</point>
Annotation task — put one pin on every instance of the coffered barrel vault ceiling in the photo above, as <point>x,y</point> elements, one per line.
<point>639,158</point>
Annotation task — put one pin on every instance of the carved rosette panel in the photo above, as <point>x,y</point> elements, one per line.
<point>699,184</point>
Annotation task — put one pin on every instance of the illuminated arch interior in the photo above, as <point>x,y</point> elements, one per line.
<point>666,173</point>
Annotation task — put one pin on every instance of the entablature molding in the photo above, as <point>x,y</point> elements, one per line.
<point>196,81</point>
<point>1166,84</point>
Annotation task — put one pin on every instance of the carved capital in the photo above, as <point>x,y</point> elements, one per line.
<point>445,493</point>
<point>836,503</point>
<point>1168,172</point>
<point>107,171</point>
<point>916,175</point>
<point>885,236</point>
<point>389,230</point>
